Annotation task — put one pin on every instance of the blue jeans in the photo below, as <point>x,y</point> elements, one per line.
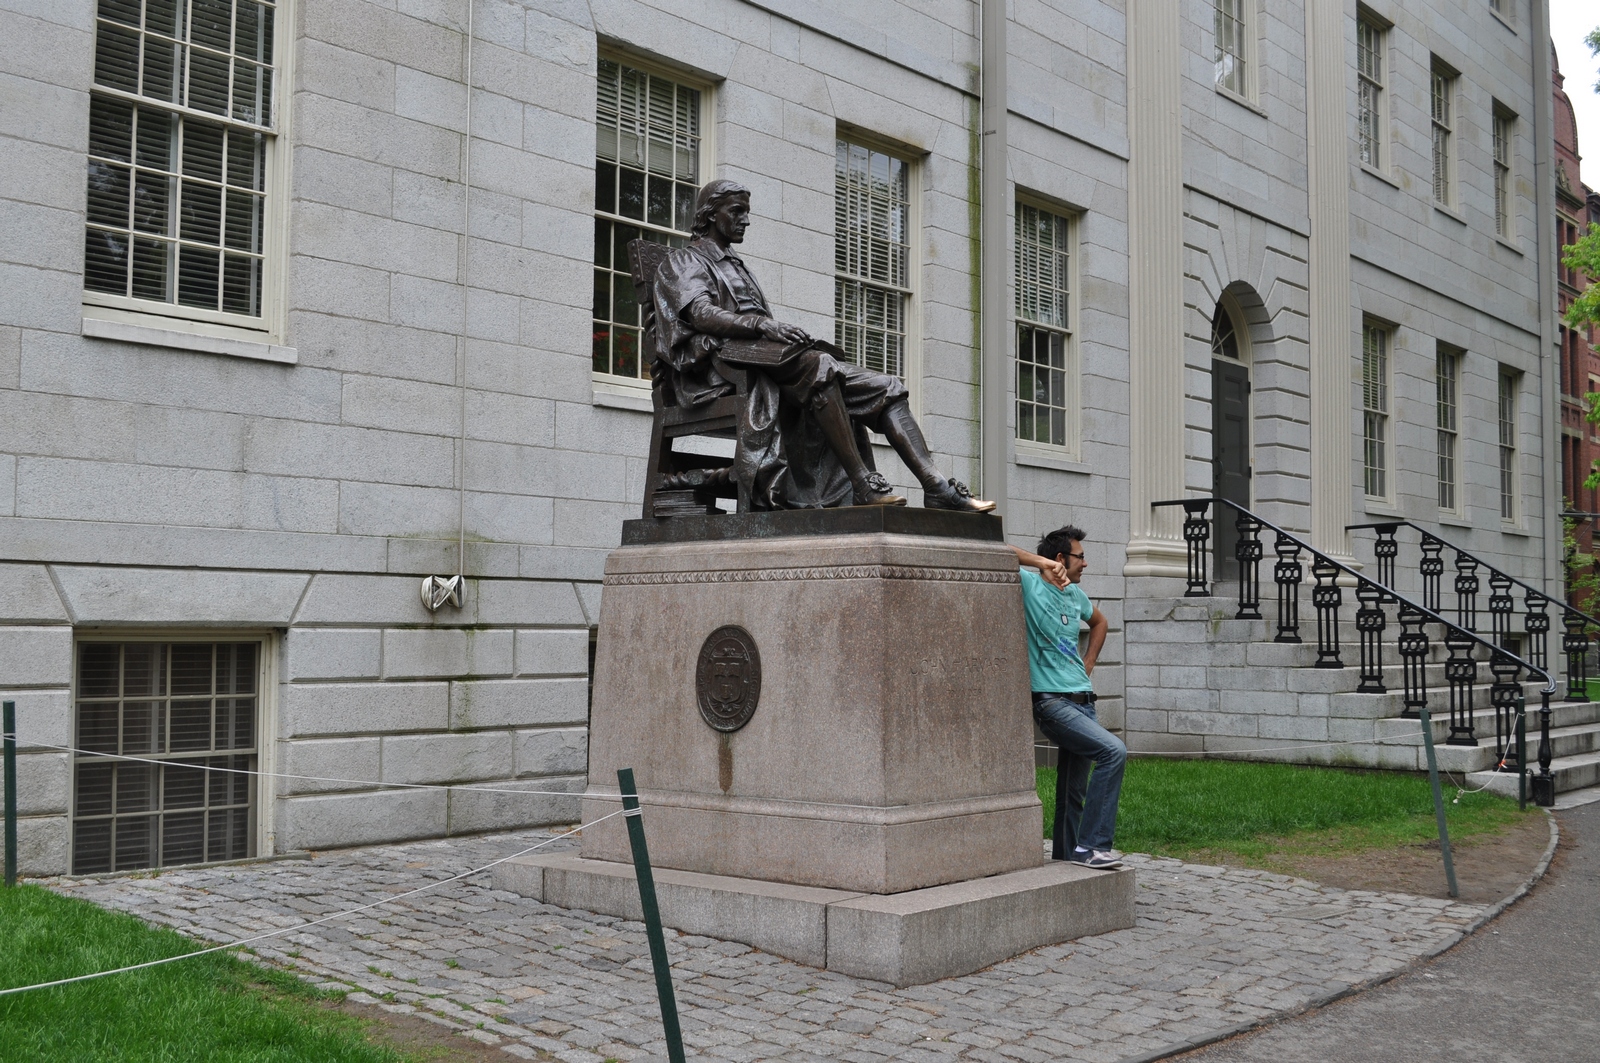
<point>1086,805</point>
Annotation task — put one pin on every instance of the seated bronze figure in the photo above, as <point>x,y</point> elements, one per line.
<point>802,409</point>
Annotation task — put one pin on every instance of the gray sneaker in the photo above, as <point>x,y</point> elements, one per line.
<point>1098,859</point>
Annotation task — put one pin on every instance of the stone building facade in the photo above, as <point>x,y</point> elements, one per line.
<point>291,319</point>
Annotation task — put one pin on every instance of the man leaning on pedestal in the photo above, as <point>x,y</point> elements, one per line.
<point>1063,699</point>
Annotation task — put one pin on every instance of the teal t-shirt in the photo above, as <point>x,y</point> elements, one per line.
<point>1053,625</point>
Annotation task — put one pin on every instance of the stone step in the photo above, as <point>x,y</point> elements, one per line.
<point>1565,742</point>
<point>1571,773</point>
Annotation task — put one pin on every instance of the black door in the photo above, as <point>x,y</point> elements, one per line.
<point>1230,456</point>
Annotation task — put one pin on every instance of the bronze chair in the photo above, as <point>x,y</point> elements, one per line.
<point>680,484</point>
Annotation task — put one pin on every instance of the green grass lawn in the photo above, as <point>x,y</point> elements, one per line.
<point>210,1009</point>
<point>1181,807</point>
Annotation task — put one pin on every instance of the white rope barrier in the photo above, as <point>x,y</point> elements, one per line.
<point>304,926</point>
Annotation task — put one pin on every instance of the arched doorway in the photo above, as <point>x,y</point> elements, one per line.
<point>1230,427</point>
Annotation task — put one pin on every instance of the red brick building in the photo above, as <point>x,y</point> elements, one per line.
<point>1577,206</point>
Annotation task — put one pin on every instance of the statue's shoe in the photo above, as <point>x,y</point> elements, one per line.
<point>874,490</point>
<point>953,494</point>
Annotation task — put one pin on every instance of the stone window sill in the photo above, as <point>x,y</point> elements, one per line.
<point>1056,460</point>
<point>623,397</point>
<point>1373,171</point>
<point>1449,212</point>
<point>177,338</point>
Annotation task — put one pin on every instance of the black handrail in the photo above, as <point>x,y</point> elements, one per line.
<point>1373,595</point>
<point>1577,623</point>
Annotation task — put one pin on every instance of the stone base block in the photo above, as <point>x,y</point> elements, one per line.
<point>904,938</point>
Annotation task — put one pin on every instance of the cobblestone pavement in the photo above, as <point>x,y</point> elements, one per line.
<point>1213,948</point>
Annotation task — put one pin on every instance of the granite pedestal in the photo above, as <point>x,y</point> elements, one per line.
<point>884,784</point>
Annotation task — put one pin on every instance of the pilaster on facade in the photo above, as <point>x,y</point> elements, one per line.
<point>1331,328</point>
<point>1155,287</point>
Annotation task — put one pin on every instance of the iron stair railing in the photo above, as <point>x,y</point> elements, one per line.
<point>1577,625</point>
<point>1374,598</point>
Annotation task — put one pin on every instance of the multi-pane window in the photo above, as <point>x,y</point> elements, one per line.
<point>1232,24</point>
<point>1503,124</point>
<point>1447,383</point>
<point>181,122</point>
<point>1045,369</point>
<point>1375,409</point>
<point>871,256</point>
<point>1442,94</point>
<point>1509,380</point>
<point>646,173</point>
<point>180,708</point>
<point>1370,123</point>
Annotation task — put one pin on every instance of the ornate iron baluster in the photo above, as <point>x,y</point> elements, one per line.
<point>1387,549</point>
<point>1197,533</point>
<point>1544,783</point>
<point>1461,671</point>
<point>1370,622</point>
<point>1432,567</point>
<point>1413,645</point>
<point>1326,597</point>
<point>1575,644</point>
<point>1501,606</point>
<point>1248,552</point>
<point>1467,591</point>
<point>1287,574</point>
<point>1538,628</point>
<point>1503,696</point>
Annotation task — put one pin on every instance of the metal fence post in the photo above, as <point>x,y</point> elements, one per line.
<point>9,725</point>
<point>652,915</point>
<point>1438,801</point>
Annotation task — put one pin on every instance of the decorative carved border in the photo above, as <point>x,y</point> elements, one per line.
<point>764,575</point>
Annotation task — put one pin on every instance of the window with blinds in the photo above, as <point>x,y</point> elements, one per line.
<point>1442,95</point>
<point>1045,366</point>
<point>1509,386</point>
<point>1375,409</point>
<point>180,707</point>
<point>1370,122</point>
<point>1503,123</point>
<point>871,256</point>
<point>1447,383</point>
<point>647,171</point>
<point>181,121</point>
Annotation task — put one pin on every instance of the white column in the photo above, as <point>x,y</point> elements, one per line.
<point>1331,328</point>
<point>1155,288</point>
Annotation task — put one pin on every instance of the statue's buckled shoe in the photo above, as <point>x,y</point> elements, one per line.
<point>874,490</point>
<point>953,494</point>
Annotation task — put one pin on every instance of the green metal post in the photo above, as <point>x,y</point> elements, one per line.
<point>1522,751</point>
<point>652,914</point>
<point>9,725</point>
<point>1438,801</point>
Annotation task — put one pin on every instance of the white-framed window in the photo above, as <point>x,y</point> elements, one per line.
<point>1506,9</point>
<point>1375,408</point>
<point>1503,125</point>
<point>184,200</point>
<point>1442,94</point>
<point>181,706</point>
<point>1510,382</point>
<point>1234,24</point>
<point>1046,356</point>
<point>648,147</point>
<point>872,260</point>
<point>1371,99</point>
<point>1447,424</point>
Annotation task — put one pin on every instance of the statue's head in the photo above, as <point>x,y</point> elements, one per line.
<point>714,195</point>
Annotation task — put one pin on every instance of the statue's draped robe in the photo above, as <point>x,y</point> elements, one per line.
<point>705,295</point>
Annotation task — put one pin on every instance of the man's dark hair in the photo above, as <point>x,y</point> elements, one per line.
<point>1060,541</point>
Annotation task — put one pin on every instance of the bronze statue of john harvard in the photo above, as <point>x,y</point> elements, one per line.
<point>802,439</point>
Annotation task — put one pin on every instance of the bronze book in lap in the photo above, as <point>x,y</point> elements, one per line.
<point>764,353</point>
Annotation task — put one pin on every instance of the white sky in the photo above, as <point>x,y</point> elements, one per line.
<point>1570,22</point>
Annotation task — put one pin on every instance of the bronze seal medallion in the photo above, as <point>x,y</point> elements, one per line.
<point>727,680</point>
